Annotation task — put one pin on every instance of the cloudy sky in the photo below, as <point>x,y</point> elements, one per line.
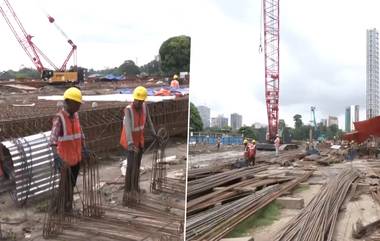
<point>106,32</point>
<point>322,58</point>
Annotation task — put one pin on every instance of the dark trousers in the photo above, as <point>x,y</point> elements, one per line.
<point>132,177</point>
<point>71,176</point>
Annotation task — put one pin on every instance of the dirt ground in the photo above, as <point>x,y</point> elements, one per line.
<point>206,155</point>
<point>25,223</point>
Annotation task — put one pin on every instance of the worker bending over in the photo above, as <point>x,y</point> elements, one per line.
<point>136,115</point>
<point>67,142</point>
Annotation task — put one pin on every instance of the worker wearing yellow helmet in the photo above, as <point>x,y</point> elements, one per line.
<point>174,83</point>
<point>136,116</point>
<point>67,142</point>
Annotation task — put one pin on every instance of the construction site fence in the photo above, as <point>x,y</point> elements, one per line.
<point>212,140</point>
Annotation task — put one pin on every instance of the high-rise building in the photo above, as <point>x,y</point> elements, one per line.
<point>219,122</point>
<point>324,122</point>
<point>372,79</point>
<point>351,116</point>
<point>236,121</point>
<point>204,112</point>
<point>332,120</point>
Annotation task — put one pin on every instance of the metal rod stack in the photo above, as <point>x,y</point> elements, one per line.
<point>92,201</point>
<point>202,185</point>
<point>158,178</point>
<point>233,203</point>
<point>317,220</point>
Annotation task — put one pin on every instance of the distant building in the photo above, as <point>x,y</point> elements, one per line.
<point>258,125</point>
<point>324,122</point>
<point>332,120</point>
<point>219,122</point>
<point>372,74</point>
<point>236,121</point>
<point>351,116</point>
<point>204,112</point>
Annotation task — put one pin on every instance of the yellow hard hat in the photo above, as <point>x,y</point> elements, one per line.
<point>245,141</point>
<point>74,94</point>
<point>253,141</point>
<point>175,76</point>
<point>140,93</point>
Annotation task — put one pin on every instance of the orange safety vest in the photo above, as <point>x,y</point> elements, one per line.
<point>138,123</point>
<point>69,145</point>
<point>174,84</point>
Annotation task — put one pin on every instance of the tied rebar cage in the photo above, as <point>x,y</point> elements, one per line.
<point>60,210</point>
<point>158,177</point>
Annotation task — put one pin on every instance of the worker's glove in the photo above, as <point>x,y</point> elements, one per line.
<point>85,154</point>
<point>58,162</point>
<point>132,147</point>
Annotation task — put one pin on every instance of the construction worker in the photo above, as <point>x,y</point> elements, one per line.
<point>245,143</point>
<point>277,143</point>
<point>252,153</point>
<point>307,147</point>
<point>174,83</point>
<point>136,115</point>
<point>218,141</point>
<point>67,142</point>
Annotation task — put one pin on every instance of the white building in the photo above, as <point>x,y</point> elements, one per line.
<point>236,121</point>
<point>204,112</point>
<point>219,122</point>
<point>372,75</point>
<point>332,120</point>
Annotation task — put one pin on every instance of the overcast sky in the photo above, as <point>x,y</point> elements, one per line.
<point>322,58</point>
<point>106,32</point>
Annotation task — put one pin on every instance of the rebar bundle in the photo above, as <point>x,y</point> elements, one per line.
<point>214,223</point>
<point>91,197</point>
<point>61,201</point>
<point>317,220</point>
<point>55,216</point>
<point>158,178</point>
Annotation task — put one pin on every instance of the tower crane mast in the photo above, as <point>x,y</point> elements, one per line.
<point>271,13</point>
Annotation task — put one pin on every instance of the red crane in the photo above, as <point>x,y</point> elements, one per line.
<point>34,53</point>
<point>271,11</point>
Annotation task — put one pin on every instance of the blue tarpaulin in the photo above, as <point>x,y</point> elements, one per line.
<point>151,90</point>
<point>225,140</point>
<point>112,77</point>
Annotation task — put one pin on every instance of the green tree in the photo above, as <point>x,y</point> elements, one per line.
<point>248,132</point>
<point>297,121</point>
<point>152,68</point>
<point>128,68</point>
<point>196,123</point>
<point>175,55</point>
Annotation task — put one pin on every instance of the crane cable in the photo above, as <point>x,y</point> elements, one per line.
<point>261,28</point>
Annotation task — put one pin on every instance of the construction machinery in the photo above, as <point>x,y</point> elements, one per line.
<point>56,75</point>
<point>317,135</point>
<point>271,12</point>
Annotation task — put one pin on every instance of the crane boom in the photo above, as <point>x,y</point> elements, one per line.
<point>59,75</point>
<point>26,40</point>
<point>271,12</point>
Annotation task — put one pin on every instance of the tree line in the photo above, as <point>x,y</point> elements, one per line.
<point>174,57</point>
